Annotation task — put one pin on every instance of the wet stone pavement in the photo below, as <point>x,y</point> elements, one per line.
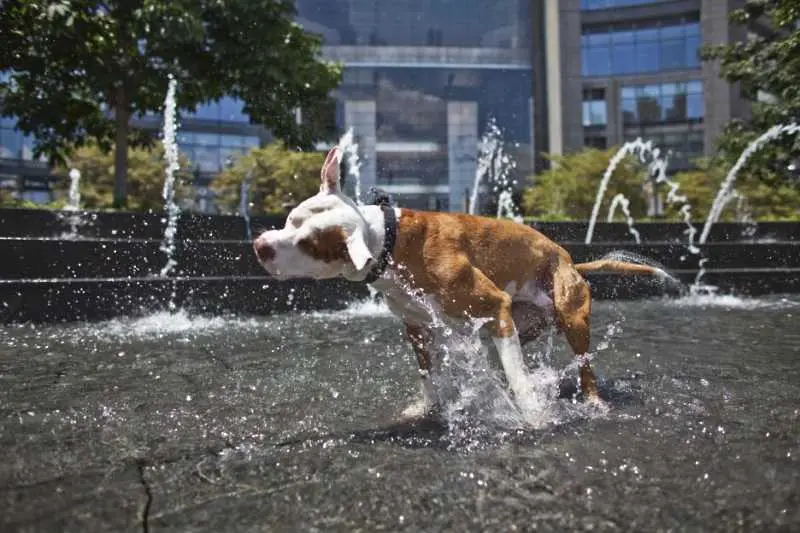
<point>181,423</point>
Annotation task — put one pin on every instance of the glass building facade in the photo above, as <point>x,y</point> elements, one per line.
<point>590,5</point>
<point>656,46</point>
<point>642,76</point>
<point>422,78</point>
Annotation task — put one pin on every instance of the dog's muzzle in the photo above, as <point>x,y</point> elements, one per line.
<point>264,251</point>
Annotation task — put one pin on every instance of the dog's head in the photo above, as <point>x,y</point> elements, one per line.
<point>325,236</point>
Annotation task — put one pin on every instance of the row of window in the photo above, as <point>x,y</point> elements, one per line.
<point>14,144</point>
<point>611,51</point>
<point>682,147</point>
<point>226,110</point>
<point>591,5</point>
<point>411,103</point>
<point>211,152</point>
<point>666,102</point>
<point>648,104</point>
<point>461,23</point>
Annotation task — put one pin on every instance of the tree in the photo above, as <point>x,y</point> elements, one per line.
<point>759,195</point>
<point>278,176</point>
<point>567,190</point>
<point>146,171</point>
<point>80,69</point>
<point>767,67</point>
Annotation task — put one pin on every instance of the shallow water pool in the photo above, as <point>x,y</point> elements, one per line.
<point>172,422</point>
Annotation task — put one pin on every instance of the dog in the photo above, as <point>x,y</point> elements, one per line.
<point>463,266</point>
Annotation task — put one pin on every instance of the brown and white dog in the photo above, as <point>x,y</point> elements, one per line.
<point>466,266</point>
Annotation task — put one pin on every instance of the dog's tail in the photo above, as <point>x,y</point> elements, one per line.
<point>627,264</point>
<point>618,267</point>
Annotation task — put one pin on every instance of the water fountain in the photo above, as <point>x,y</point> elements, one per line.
<point>494,168</point>
<point>244,204</point>
<point>220,422</point>
<point>73,205</point>
<point>624,204</point>
<point>349,153</point>
<point>724,195</point>
<point>171,156</point>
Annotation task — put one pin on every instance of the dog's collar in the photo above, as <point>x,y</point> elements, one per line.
<point>389,240</point>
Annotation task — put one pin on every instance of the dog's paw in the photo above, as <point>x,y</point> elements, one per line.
<point>418,409</point>
<point>421,408</point>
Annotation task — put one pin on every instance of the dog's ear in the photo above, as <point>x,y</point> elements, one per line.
<point>358,250</point>
<point>330,172</point>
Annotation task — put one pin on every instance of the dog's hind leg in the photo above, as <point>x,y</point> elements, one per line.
<point>464,289</point>
<point>573,303</point>
<point>421,340</point>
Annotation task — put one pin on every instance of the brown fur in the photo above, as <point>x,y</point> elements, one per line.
<point>468,261</point>
<point>328,245</point>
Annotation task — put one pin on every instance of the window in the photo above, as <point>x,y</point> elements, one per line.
<point>434,23</point>
<point>683,144</point>
<point>662,103</point>
<point>595,110</point>
<point>13,143</point>
<point>226,110</point>
<point>598,142</point>
<point>210,152</point>
<point>591,5</point>
<point>620,50</point>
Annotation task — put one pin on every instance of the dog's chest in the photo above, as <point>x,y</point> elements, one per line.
<point>405,303</point>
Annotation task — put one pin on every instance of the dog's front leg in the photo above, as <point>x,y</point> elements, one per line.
<point>421,339</point>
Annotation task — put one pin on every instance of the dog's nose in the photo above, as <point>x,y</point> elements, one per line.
<point>264,251</point>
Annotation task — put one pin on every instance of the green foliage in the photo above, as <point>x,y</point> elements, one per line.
<point>279,176</point>
<point>768,64</point>
<point>567,190</point>
<point>80,69</point>
<point>9,200</point>
<point>765,195</point>
<point>146,174</point>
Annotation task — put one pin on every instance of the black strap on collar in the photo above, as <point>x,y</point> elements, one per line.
<point>389,240</point>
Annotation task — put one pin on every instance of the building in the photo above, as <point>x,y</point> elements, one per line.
<point>422,79</point>
<point>633,66</point>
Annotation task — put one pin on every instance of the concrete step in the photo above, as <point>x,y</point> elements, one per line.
<point>32,258</point>
<point>56,300</point>
<point>98,224</point>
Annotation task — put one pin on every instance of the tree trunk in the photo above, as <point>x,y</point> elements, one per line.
<point>121,152</point>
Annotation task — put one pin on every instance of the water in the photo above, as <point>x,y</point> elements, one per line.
<point>495,168</point>
<point>349,151</point>
<point>74,195</point>
<point>644,151</point>
<point>724,194</point>
<point>289,423</point>
<point>624,204</point>
<point>244,204</point>
<point>75,219</point>
<point>172,157</point>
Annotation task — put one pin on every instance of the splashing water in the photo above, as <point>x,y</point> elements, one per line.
<point>637,147</point>
<point>244,204</point>
<point>724,194</point>
<point>624,204</point>
<point>495,167</point>
<point>471,392</point>
<point>73,204</point>
<point>74,196</point>
<point>349,149</point>
<point>506,207</point>
<point>168,193</point>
